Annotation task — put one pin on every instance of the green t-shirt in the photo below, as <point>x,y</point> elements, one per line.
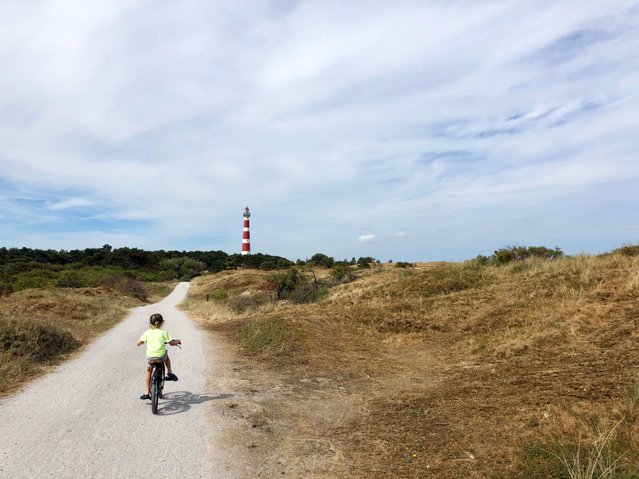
<point>155,339</point>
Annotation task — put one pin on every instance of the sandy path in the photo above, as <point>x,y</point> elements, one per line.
<point>86,418</point>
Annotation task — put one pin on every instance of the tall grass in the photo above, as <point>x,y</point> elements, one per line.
<point>596,459</point>
<point>260,335</point>
<point>38,328</point>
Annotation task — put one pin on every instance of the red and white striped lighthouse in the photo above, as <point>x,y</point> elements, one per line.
<point>246,234</point>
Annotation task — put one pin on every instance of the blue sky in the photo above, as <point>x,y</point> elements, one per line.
<point>404,130</point>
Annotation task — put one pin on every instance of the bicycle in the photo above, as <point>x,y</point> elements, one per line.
<point>158,375</point>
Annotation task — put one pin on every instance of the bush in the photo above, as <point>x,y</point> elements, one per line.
<point>342,273</point>
<point>365,262</point>
<point>135,288</point>
<point>305,293</point>
<point>33,279</point>
<point>517,253</point>
<point>183,268</point>
<point>70,278</point>
<point>267,266</point>
<point>36,340</point>
<point>287,281</point>
<point>482,260</point>
<point>219,295</point>
<point>294,286</point>
<point>402,264</point>
<point>321,260</point>
<point>628,250</point>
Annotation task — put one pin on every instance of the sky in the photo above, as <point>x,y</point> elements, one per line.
<point>403,130</point>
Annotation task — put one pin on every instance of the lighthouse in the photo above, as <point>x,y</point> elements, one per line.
<point>246,233</point>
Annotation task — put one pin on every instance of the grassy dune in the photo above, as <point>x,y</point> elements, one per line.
<point>460,370</point>
<point>40,327</point>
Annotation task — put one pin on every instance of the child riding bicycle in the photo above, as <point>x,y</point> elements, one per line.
<point>156,339</point>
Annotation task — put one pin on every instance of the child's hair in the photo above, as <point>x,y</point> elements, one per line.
<point>156,320</point>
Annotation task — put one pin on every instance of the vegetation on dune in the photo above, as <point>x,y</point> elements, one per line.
<point>40,327</point>
<point>517,253</point>
<point>518,364</point>
<point>258,336</point>
<point>23,268</point>
<point>523,365</point>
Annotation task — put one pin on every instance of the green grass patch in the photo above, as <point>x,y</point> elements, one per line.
<point>538,462</point>
<point>219,295</point>
<point>262,335</point>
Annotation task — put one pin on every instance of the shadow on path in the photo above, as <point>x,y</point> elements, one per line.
<point>176,402</point>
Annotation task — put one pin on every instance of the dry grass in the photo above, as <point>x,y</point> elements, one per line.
<point>39,327</point>
<point>460,366</point>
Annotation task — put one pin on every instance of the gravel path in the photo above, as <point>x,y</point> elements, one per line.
<point>86,418</point>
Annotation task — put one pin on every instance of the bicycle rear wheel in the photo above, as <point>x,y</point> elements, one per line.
<point>155,392</point>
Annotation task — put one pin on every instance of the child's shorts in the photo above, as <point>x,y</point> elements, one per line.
<point>152,360</point>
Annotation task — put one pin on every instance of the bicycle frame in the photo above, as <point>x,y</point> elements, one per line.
<point>158,374</point>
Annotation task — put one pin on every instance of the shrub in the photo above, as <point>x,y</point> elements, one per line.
<point>402,264</point>
<point>305,293</point>
<point>294,286</point>
<point>267,266</point>
<point>342,273</point>
<point>219,295</point>
<point>35,339</point>
<point>482,260</point>
<point>287,281</point>
<point>70,278</point>
<point>321,260</point>
<point>365,262</point>
<point>183,268</point>
<point>33,279</point>
<point>628,250</point>
<point>516,253</point>
<point>135,288</point>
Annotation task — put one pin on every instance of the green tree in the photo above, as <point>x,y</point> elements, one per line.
<point>321,260</point>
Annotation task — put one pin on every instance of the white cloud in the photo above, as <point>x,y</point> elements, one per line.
<point>325,117</point>
<point>69,203</point>
<point>366,238</point>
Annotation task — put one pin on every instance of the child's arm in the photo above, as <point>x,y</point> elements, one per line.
<point>139,342</point>
<point>175,342</point>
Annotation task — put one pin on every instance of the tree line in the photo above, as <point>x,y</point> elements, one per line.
<point>22,268</point>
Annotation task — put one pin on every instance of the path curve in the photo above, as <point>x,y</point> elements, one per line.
<point>86,418</point>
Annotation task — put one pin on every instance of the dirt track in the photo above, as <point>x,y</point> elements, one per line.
<point>86,419</point>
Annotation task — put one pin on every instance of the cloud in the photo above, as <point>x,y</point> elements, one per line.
<point>366,238</point>
<point>325,118</point>
<point>69,203</point>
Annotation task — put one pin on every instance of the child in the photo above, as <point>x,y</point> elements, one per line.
<point>155,337</point>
